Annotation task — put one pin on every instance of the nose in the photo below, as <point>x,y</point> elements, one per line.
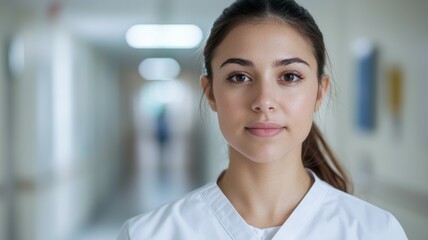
<point>264,98</point>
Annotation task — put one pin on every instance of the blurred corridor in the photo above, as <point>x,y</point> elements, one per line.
<point>89,138</point>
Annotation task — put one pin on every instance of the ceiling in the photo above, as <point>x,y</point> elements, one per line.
<point>103,23</point>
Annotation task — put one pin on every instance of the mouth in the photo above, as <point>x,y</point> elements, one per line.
<point>264,129</point>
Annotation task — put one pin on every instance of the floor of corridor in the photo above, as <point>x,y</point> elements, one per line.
<point>107,225</point>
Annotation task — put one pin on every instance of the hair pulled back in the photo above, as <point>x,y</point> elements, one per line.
<point>316,153</point>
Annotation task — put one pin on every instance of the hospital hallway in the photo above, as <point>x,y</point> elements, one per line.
<point>102,116</point>
<point>107,225</point>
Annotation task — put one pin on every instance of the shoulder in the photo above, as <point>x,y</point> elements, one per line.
<point>170,218</point>
<point>359,216</point>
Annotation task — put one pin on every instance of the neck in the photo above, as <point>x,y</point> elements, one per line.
<point>265,194</point>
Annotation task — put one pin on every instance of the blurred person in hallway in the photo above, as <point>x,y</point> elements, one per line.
<point>162,137</point>
<point>265,79</point>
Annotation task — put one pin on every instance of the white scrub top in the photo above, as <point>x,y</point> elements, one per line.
<point>325,213</point>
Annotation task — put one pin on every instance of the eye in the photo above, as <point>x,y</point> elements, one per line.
<point>291,77</point>
<point>238,78</point>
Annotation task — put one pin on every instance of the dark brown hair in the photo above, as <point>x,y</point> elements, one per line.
<point>316,153</point>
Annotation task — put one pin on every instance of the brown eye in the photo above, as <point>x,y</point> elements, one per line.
<point>290,77</point>
<point>238,78</point>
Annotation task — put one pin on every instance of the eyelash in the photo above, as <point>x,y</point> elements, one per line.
<point>294,74</point>
<point>232,77</point>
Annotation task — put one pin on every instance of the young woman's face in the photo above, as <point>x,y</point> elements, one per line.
<point>265,90</point>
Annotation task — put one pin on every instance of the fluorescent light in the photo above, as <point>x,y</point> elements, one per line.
<point>62,95</point>
<point>165,92</point>
<point>164,36</point>
<point>159,69</point>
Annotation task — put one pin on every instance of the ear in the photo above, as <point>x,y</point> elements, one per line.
<point>322,91</point>
<point>208,92</point>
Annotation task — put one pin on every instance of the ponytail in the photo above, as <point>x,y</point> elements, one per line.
<point>318,157</point>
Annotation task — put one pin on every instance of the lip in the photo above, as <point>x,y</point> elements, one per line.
<point>261,129</point>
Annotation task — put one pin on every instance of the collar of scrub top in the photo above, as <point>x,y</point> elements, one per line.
<point>298,222</point>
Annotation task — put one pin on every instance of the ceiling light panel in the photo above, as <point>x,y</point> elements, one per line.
<point>159,69</point>
<point>164,36</point>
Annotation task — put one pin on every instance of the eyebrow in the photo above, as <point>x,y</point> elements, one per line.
<point>288,61</point>
<point>239,61</point>
<point>277,63</point>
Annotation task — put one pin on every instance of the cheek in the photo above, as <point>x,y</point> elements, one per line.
<point>228,111</point>
<point>301,110</point>
<point>227,106</point>
<point>227,100</point>
<point>303,105</point>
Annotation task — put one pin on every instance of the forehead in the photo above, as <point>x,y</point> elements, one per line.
<point>264,40</point>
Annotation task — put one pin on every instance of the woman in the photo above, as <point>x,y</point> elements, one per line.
<point>265,78</point>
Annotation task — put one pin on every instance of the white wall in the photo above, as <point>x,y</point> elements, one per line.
<point>3,216</point>
<point>59,191</point>
<point>5,19</point>
<point>400,31</point>
<point>388,164</point>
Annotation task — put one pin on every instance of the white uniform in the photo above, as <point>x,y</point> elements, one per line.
<point>325,213</point>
